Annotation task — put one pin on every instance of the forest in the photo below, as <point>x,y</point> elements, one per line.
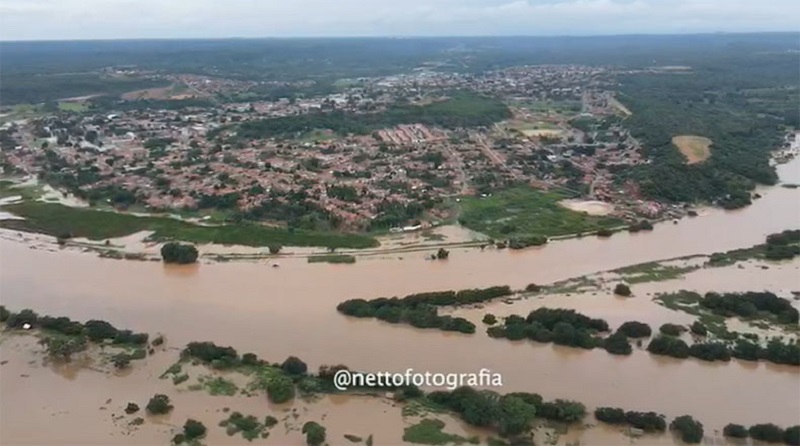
<point>742,102</point>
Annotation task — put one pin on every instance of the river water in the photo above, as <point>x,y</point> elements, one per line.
<point>277,312</point>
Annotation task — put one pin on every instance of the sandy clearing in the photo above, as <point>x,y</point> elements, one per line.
<point>591,207</point>
<point>696,149</point>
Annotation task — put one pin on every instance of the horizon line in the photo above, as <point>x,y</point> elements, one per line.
<point>399,36</point>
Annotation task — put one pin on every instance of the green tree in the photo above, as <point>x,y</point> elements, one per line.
<point>315,433</point>
<point>691,430</point>
<point>63,348</point>
<point>173,252</point>
<point>159,405</point>
<point>515,416</point>
<point>294,366</point>
<point>280,389</point>
<point>735,431</point>
<point>622,290</point>
<point>193,429</point>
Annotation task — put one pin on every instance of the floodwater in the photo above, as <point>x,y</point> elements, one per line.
<point>277,312</point>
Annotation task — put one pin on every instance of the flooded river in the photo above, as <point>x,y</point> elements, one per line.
<point>277,312</point>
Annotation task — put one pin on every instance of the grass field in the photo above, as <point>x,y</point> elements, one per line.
<point>56,219</point>
<point>696,149</point>
<point>332,258</point>
<point>523,211</point>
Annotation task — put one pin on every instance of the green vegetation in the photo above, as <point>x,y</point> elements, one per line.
<point>646,421</point>
<point>652,272</point>
<point>315,433</point>
<point>622,289</point>
<point>47,88</point>
<point>193,430</point>
<point>779,246</point>
<point>752,306</point>
<point>735,431</point>
<point>522,212</point>
<point>562,327</point>
<point>73,106</point>
<point>332,258</point>
<point>419,310</point>
<point>218,385</point>
<point>430,431</point>
<point>159,405</point>
<point>460,110</point>
<point>56,220</point>
<point>742,111</point>
<point>249,426</point>
<point>63,337</point>
<point>179,253</point>
<point>635,329</point>
<point>131,408</point>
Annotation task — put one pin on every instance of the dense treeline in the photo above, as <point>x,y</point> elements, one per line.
<point>460,110</point>
<point>562,327</point>
<point>766,432</point>
<point>749,304</point>
<point>783,245</point>
<point>65,337</point>
<point>419,310</point>
<point>727,100</point>
<point>775,351</point>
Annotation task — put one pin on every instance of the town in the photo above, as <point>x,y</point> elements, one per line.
<point>559,128</point>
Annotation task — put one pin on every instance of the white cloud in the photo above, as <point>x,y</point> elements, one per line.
<point>86,19</point>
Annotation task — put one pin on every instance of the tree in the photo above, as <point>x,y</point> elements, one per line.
<point>634,329</point>
<point>792,435</point>
<point>294,366</point>
<point>173,252</point>
<point>489,319</point>
<point>622,290</point>
<point>97,330</point>
<point>4,313</point>
<point>315,433</point>
<point>159,405</point>
<point>275,249</point>
<point>698,328</point>
<point>617,344</point>
<point>610,415</point>
<point>131,408</point>
<point>735,431</point>
<point>280,389</point>
<point>193,429</point>
<point>671,329</point>
<point>442,254</point>
<point>691,430</point>
<point>516,415</point>
<point>768,432</point>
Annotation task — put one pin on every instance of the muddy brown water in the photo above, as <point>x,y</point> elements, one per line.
<point>277,312</point>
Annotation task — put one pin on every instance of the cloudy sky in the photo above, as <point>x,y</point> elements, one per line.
<point>116,19</point>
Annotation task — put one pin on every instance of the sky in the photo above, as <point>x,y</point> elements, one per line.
<point>125,19</point>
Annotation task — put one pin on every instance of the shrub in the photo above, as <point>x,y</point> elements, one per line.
<point>671,329</point>
<point>646,421</point>
<point>604,233</point>
<point>489,319</point>
<point>294,366</point>
<point>159,405</point>
<point>173,252</point>
<point>4,313</point>
<point>735,431</point>
<point>249,359</point>
<point>698,328</point>
<point>769,433</point>
<point>691,430</point>
<point>610,415</point>
<point>710,351</point>
<point>442,254</point>
<point>668,346</point>
<point>562,410</point>
<point>193,429</point>
<point>179,438</point>
<point>617,344</point>
<point>533,288</point>
<point>634,329</point>
<point>131,408</point>
<point>622,290</point>
<point>315,433</point>
<point>209,352</point>
<point>275,249</point>
<point>280,389</point>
